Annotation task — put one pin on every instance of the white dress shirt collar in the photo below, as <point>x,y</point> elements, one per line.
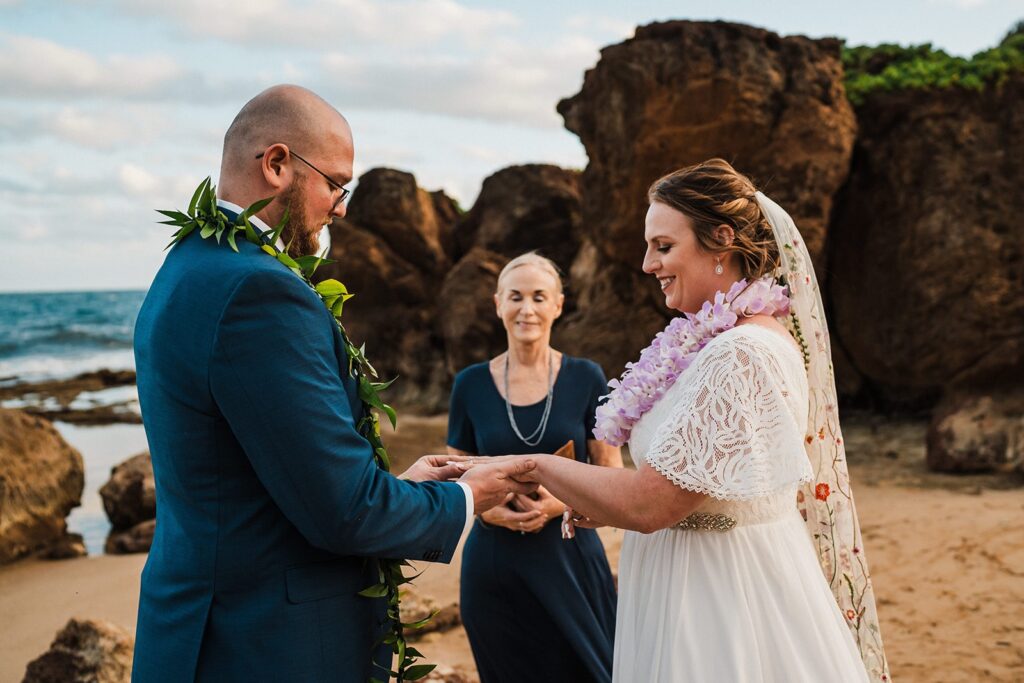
<point>255,220</point>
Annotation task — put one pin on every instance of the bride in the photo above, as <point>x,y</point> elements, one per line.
<point>743,560</point>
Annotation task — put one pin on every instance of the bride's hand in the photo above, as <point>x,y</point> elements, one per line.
<point>437,468</point>
<point>581,521</point>
<point>533,476</point>
<point>527,522</point>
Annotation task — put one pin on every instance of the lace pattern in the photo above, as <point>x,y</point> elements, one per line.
<point>729,427</point>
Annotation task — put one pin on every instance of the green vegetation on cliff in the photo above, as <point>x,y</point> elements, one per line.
<point>891,67</point>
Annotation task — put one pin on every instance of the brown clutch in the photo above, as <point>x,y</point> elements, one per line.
<point>567,451</point>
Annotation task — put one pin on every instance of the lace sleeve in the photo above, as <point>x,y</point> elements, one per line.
<point>732,434</point>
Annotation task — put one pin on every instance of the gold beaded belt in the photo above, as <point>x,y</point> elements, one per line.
<point>703,521</point>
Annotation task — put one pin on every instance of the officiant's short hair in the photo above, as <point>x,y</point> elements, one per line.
<point>532,258</point>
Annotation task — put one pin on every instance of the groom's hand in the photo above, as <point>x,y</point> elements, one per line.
<point>437,468</point>
<point>497,483</point>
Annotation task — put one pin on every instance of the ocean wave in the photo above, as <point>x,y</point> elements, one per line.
<point>67,339</point>
<point>38,367</point>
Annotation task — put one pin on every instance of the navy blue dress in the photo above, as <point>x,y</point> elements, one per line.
<point>536,607</point>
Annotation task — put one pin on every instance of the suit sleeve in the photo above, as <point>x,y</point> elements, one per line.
<point>276,379</point>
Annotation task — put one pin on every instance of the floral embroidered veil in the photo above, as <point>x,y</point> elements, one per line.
<point>827,501</point>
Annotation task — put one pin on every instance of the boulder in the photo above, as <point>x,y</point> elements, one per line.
<point>416,225</point>
<point>129,496</point>
<point>392,252</point>
<point>681,92</point>
<point>136,539</point>
<point>978,433</point>
<point>678,93</point>
<point>469,324</point>
<point>926,249</point>
<point>416,607</point>
<point>41,481</point>
<point>617,312</point>
<point>85,651</point>
<point>526,208</point>
<point>66,548</point>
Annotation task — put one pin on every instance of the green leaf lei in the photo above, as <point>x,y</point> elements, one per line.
<point>205,216</point>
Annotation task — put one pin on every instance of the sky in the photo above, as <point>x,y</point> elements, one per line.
<point>110,109</point>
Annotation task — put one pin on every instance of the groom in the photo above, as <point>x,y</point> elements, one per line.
<point>270,506</point>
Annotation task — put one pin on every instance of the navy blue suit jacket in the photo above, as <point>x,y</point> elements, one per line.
<point>269,505</point>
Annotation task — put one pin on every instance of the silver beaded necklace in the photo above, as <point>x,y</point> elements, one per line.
<point>538,434</point>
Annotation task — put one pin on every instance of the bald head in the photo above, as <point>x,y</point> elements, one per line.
<point>287,114</point>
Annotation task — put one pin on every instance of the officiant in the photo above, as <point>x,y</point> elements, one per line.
<point>535,607</point>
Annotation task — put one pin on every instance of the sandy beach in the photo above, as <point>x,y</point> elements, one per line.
<point>947,557</point>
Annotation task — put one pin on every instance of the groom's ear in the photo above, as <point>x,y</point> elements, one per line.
<point>275,167</point>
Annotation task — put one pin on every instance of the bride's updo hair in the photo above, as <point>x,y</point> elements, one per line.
<point>713,193</point>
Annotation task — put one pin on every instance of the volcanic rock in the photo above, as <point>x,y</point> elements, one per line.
<point>129,496</point>
<point>392,252</point>
<point>466,314</point>
<point>41,480</point>
<point>678,93</point>
<point>85,651</point>
<point>978,433</point>
<point>526,208</point>
<point>926,251</point>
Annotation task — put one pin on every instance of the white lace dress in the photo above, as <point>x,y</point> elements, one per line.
<point>749,603</point>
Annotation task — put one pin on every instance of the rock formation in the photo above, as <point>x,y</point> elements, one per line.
<point>423,276</point>
<point>85,651</point>
<point>129,498</point>
<point>978,433</point>
<point>41,480</point>
<point>526,208</point>
<point>469,324</point>
<point>926,252</point>
<point>392,251</point>
<point>676,94</point>
<point>416,606</point>
<point>909,206</point>
<point>926,267</point>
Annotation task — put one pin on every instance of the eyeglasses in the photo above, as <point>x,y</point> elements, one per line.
<point>335,187</point>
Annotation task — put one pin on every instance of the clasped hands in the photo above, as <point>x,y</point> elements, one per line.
<point>505,490</point>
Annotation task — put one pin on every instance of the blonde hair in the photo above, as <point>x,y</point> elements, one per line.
<point>531,258</point>
<point>713,193</point>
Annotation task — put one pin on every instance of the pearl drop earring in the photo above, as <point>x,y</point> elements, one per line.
<point>718,267</point>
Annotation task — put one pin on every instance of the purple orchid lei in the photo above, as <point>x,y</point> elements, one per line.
<point>674,349</point>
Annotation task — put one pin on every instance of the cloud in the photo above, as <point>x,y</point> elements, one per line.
<point>44,70</point>
<point>137,180</point>
<point>34,67</point>
<point>101,128</point>
<point>513,83</point>
<point>404,24</point>
<point>963,4</point>
<point>605,27</point>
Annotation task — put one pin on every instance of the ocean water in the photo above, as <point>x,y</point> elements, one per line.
<point>60,335</point>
